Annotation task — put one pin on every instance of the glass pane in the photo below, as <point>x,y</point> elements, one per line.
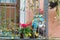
<point>13,1</point>
<point>3,1</point>
<point>8,1</point>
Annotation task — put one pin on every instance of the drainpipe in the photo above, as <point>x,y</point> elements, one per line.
<point>46,16</point>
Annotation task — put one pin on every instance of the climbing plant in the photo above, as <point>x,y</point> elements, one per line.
<point>57,9</point>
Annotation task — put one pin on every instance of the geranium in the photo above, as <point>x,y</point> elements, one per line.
<point>25,25</point>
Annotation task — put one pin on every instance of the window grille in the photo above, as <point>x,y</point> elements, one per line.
<point>10,14</point>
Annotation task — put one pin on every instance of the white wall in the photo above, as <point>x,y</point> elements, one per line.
<point>22,13</point>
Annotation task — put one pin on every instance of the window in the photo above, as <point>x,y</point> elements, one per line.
<point>7,1</point>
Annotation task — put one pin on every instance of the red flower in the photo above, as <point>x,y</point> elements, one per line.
<point>25,25</point>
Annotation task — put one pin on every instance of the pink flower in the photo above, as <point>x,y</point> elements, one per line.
<point>40,10</point>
